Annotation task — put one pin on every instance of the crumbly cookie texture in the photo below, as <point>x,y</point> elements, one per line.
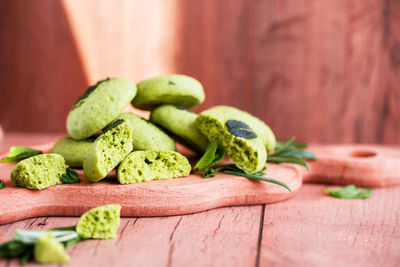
<point>180,122</point>
<point>109,149</point>
<point>100,222</point>
<point>173,89</point>
<point>144,166</point>
<point>98,106</point>
<point>146,135</point>
<point>249,154</point>
<point>39,172</point>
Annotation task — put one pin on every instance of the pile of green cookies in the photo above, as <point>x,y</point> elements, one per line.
<point>102,138</point>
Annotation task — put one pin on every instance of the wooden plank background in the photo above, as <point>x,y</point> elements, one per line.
<point>324,71</point>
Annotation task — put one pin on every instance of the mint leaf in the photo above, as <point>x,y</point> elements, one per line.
<point>2,184</point>
<point>349,192</point>
<point>240,129</point>
<point>211,156</point>
<point>70,177</point>
<point>209,173</point>
<point>18,153</point>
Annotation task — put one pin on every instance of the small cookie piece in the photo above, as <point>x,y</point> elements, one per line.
<point>39,172</point>
<point>258,126</point>
<point>180,122</point>
<point>73,151</point>
<point>239,141</point>
<point>144,166</point>
<point>147,136</point>
<point>100,222</point>
<point>109,149</point>
<point>98,106</point>
<point>48,250</point>
<point>176,89</point>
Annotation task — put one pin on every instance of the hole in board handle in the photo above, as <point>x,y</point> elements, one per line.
<point>363,154</point>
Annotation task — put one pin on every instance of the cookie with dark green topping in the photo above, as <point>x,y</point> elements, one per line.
<point>98,106</point>
<point>109,149</point>
<point>176,89</point>
<point>258,126</point>
<point>180,122</point>
<point>240,142</point>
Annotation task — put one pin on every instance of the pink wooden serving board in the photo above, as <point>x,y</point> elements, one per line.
<point>363,165</point>
<point>156,198</point>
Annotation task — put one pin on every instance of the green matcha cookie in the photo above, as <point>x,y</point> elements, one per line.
<point>98,106</point>
<point>258,126</point>
<point>239,141</point>
<point>72,150</point>
<point>109,149</point>
<point>39,172</point>
<point>177,89</point>
<point>180,122</point>
<point>100,222</point>
<point>147,136</point>
<point>144,166</point>
<point>48,250</point>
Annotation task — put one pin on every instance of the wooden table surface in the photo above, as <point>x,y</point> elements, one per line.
<point>310,229</point>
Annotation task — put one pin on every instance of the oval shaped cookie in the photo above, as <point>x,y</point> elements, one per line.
<point>180,122</point>
<point>260,128</point>
<point>239,141</point>
<point>99,106</point>
<point>73,151</point>
<point>147,136</point>
<point>176,89</point>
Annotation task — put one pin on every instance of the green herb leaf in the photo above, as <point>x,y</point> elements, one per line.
<point>297,145</point>
<point>209,173</point>
<point>25,258</point>
<point>257,177</point>
<point>288,159</point>
<point>211,156</point>
<point>13,249</point>
<point>291,152</point>
<point>240,129</point>
<point>18,153</point>
<point>2,184</point>
<point>71,242</point>
<point>349,192</point>
<point>70,177</point>
<point>300,154</point>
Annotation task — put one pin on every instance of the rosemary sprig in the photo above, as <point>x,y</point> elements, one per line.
<point>213,155</point>
<point>291,152</point>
